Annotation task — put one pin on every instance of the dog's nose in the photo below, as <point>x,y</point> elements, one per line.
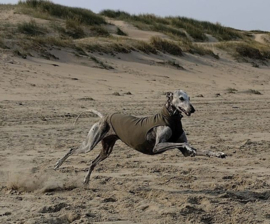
<point>192,109</point>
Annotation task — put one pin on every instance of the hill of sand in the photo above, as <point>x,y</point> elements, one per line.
<point>40,99</point>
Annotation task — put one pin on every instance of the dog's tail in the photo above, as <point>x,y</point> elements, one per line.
<point>91,110</point>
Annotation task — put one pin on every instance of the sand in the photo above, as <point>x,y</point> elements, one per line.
<point>40,99</point>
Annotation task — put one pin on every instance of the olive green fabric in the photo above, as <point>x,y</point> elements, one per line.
<point>133,130</point>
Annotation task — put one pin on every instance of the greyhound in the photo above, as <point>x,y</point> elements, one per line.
<point>149,135</point>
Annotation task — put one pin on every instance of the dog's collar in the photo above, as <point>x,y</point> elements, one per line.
<point>170,110</point>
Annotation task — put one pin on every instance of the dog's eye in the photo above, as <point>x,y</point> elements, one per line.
<point>182,98</point>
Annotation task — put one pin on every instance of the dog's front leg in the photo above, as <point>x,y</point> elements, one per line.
<point>163,133</point>
<point>187,152</point>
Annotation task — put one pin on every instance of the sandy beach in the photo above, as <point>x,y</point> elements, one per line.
<point>40,100</point>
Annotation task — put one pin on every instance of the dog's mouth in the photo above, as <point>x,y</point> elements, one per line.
<point>184,111</point>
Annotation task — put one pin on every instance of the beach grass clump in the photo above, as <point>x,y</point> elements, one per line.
<point>166,46</point>
<point>144,47</point>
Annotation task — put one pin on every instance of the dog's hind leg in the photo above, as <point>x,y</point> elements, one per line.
<point>95,134</point>
<point>107,147</point>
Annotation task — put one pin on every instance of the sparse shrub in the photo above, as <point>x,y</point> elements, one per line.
<point>31,28</point>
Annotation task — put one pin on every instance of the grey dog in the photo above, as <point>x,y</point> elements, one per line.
<point>149,135</point>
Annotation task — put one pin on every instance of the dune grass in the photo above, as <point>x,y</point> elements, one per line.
<point>31,28</point>
<point>68,22</point>
<point>166,46</point>
<point>80,15</point>
<point>175,26</point>
<point>67,26</point>
<point>246,50</point>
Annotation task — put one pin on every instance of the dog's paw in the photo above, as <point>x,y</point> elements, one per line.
<point>57,165</point>
<point>188,151</point>
<point>86,181</point>
<point>221,155</point>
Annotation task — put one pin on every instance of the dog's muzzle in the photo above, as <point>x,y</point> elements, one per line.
<point>188,113</point>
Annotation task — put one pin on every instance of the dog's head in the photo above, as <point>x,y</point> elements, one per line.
<point>180,101</point>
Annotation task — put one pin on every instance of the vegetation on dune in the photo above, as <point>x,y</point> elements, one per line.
<point>176,26</point>
<point>80,15</point>
<point>86,32</point>
<point>31,28</point>
<point>166,46</point>
<point>242,51</point>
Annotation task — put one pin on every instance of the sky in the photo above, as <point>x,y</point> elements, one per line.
<point>239,14</point>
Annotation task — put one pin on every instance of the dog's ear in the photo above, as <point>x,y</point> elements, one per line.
<point>169,95</point>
